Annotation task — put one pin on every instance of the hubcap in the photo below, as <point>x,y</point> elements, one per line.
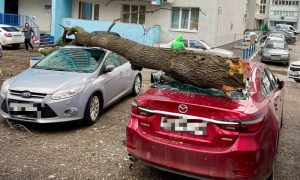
<point>137,84</point>
<point>94,108</point>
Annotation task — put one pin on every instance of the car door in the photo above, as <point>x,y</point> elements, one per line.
<point>127,74</point>
<point>196,46</point>
<point>113,83</point>
<point>270,92</point>
<point>277,95</point>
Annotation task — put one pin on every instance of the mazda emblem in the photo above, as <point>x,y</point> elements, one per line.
<point>182,108</point>
<point>26,94</point>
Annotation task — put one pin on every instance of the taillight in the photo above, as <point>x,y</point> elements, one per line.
<point>136,109</point>
<point>245,126</point>
<point>7,34</point>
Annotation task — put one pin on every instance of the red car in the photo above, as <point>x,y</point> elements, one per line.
<point>203,133</point>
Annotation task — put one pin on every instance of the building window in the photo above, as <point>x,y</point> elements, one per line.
<point>262,9</point>
<point>285,3</point>
<point>185,18</point>
<point>89,11</point>
<point>134,14</point>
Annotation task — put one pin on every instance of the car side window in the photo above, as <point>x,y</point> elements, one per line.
<point>185,42</point>
<point>113,59</point>
<point>196,44</point>
<point>271,78</point>
<point>123,60</point>
<point>265,84</point>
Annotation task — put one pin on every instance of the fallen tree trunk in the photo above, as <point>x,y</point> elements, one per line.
<point>198,69</point>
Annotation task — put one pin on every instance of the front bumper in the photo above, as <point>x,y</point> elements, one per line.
<point>275,58</point>
<point>49,111</point>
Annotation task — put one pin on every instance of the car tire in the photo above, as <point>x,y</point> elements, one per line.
<point>92,110</point>
<point>16,46</point>
<point>297,80</point>
<point>137,85</point>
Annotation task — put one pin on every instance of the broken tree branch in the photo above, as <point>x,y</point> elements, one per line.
<point>203,70</point>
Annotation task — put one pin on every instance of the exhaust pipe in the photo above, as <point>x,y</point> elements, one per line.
<point>132,160</point>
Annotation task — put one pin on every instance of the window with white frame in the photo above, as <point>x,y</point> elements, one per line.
<point>285,3</point>
<point>185,18</point>
<point>134,14</point>
<point>262,9</point>
<point>89,11</point>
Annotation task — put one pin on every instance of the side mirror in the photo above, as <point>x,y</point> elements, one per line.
<point>280,84</point>
<point>109,68</point>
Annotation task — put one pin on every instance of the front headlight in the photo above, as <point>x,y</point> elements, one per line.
<point>67,93</point>
<point>4,87</point>
<point>285,55</point>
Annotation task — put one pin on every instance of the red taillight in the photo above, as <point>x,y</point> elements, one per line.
<point>7,34</point>
<point>135,109</point>
<point>245,126</point>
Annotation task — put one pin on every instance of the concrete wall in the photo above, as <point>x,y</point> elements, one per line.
<point>34,8</point>
<point>225,25</point>
<point>134,32</point>
<point>2,3</point>
<point>230,21</point>
<point>60,9</point>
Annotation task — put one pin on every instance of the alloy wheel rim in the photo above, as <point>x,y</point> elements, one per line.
<point>94,108</point>
<point>137,84</point>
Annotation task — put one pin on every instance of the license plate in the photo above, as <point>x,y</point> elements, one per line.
<point>17,109</point>
<point>183,125</point>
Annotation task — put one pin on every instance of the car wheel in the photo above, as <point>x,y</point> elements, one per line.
<point>137,85</point>
<point>16,46</point>
<point>92,110</point>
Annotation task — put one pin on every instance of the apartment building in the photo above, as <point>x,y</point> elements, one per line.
<point>272,12</point>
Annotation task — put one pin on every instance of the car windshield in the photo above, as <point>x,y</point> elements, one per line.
<point>10,29</point>
<point>72,59</point>
<point>174,85</point>
<point>276,45</point>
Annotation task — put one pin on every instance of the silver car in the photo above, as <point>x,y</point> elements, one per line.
<point>275,51</point>
<point>294,71</point>
<point>199,46</point>
<point>72,83</point>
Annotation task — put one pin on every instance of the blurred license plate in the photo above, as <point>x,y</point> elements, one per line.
<point>17,109</point>
<point>183,125</point>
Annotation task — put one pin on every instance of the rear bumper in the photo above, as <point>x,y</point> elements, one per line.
<point>241,160</point>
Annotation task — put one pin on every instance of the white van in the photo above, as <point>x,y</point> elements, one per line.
<point>287,27</point>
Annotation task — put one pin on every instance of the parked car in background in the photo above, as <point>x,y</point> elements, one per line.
<point>276,35</point>
<point>287,27</point>
<point>199,46</point>
<point>276,51</point>
<point>289,37</point>
<point>72,83</point>
<point>204,134</point>
<point>248,34</point>
<point>294,71</point>
<point>10,35</point>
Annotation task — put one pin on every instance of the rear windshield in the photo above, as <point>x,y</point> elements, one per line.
<point>276,45</point>
<point>174,85</point>
<point>10,29</point>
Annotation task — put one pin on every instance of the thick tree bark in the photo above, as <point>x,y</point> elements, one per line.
<point>198,69</point>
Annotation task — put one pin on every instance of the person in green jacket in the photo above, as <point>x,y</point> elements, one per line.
<point>178,43</point>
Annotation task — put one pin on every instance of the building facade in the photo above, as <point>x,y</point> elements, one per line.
<point>272,12</point>
<point>215,21</point>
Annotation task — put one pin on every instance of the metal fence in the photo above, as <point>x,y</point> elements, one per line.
<point>18,20</point>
